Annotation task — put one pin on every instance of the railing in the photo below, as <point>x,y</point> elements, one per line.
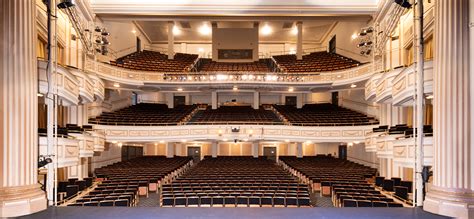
<point>234,123</point>
<point>123,75</point>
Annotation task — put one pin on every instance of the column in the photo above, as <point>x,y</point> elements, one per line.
<point>214,149</point>
<point>299,40</point>
<point>169,150</point>
<point>299,101</point>
<point>170,40</point>
<point>452,192</point>
<point>299,150</point>
<point>170,100</point>
<point>255,145</point>
<point>214,99</point>
<point>256,99</point>
<point>20,193</point>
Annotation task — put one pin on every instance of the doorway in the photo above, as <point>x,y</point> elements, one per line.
<point>290,100</point>
<point>139,44</point>
<point>179,101</point>
<point>195,153</point>
<point>343,152</point>
<point>335,98</point>
<point>270,153</point>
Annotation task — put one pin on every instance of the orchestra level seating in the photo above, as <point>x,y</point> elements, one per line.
<point>155,61</point>
<point>207,65</point>
<point>314,62</point>
<point>235,182</point>
<point>344,181</point>
<point>322,115</point>
<point>121,184</point>
<point>146,114</point>
<point>235,115</point>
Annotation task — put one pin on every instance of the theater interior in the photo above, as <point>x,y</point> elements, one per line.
<point>237,109</point>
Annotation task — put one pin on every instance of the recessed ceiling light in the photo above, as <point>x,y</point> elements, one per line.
<point>179,89</point>
<point>225,139</point>
<point>429,97</point>
<point>356,142</point>
<point>114,142</point>
<point>266,30</point>
<point>205,29</point>
<point>176,30</point>
<point>39,94</point>
<point>294,31</point>
<point>245,139</point>
<point>184,140</point>
<point>287,140</point>
<point>339,76</point>
<point>353,85</point>
<point>161,142</point>
<point>134,31</point>
<point>116,85</point>
<point>235,88</point>
<point>291,89</point>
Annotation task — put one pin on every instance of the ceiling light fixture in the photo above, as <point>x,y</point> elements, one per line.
<point>294,31</point>
<point>353,85</point>
<point>205,30</point>
<point>116,85</point>
<point>429,97</point>
<point>179,89</point>
<point>134,31</point>
<point>176,30</point>
<point>291,89</point>
<point>266,30</point>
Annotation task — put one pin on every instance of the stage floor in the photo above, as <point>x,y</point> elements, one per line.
<point>150,212</point>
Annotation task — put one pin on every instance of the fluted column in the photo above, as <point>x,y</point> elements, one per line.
<point>452,193</point>
<point>214,146</point>
<point>20,193</point>
<point>299,150</point>
<point>169,150</point>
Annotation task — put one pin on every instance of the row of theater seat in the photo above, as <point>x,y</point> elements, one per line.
<point>207,65</point>
<point>400,188</point>
<point>314,62</point>
<point>324,114</point>
<point>128,180</point>
<point>234,114</point>
<point>235,181</point>
<point>156,61</point>
<point>72,187</point>
<point>403,129</point>
<point>146,114</point>
<point>342,180</point>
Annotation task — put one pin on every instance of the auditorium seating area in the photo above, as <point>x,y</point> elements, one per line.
<point>146,114</point>
<point>322,115</point>
<point>235,115</point>
<point>315,62</point>
<point>235,182</point>
<point>72,187</point>
<point>346,182</point>
<point>155,61</point>
<point>401,189</point>
<point>207,65</point>
<point>121,184</point>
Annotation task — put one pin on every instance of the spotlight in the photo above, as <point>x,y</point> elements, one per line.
<point>65,4</point>
<point>368,52</point>
<point>44,161</point>
<point>97,29</point>
<point>105,33</point>
<point>403,3</point>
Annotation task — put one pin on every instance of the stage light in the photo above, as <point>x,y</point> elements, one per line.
<point>66,4</point>
<point>403,3</point>
<point>44,161</point>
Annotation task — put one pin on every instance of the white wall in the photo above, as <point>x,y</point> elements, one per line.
<point>354,99</point>
<point>357,153</point>
<point>323,97</point>
<point>151,97</point>
<point>345,45</point>
<point>121,36</point>
<point>116,99</point>
<point>111,154</point>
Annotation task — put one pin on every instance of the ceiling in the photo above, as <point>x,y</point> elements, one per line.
<point>282,31</point>
<point>234,7</point>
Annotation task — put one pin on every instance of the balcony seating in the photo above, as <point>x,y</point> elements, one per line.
<point>145,114</point>
<point>401,189</point>
<point>235,182</point>
<point>315,62</point>
<point>156,61</point>
<point>235,115</point>
<point>207,65</point>
<point>126,181</point>
<point>323,115</point>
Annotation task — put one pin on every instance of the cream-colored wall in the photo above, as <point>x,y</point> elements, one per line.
<point>234,38</point>
<point>358,154</point>
<point>111,154</point>
<point>355,99</point>
<point>321,97</point>
<point>122,39</point>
